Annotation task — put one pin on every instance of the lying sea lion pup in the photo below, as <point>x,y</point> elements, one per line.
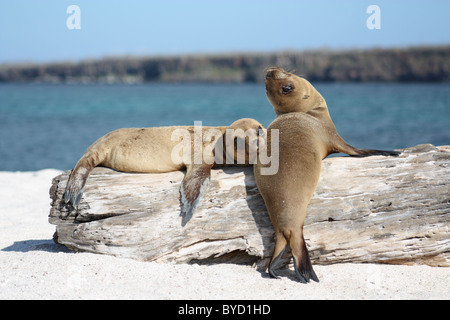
<point>158,149</point>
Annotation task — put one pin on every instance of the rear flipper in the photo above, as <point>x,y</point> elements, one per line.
<point>273,264</point>
<point>78,177</point>
<point>192,188</point>
<point>302,264</point>
<point>304,269</point>
<point>280,247</point>
<point>75,186</point>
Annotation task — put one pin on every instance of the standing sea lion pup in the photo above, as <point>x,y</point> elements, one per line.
<point>306,136</point>
<point>158,149</point>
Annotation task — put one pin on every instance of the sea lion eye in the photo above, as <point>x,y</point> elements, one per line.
<point>287,88</point>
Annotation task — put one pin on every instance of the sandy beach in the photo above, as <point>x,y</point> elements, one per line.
<point>32,266</point>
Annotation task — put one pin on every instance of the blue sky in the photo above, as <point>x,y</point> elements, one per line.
<point>36,30</point>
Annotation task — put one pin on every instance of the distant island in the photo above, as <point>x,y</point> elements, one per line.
<point>416,64</point>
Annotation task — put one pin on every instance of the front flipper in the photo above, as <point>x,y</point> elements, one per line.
<point>371,152</point>
<point>344,147</point>
<point>192,188</point>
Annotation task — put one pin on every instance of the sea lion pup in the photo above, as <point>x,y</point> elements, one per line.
<point>289,93</point>
<point>158,149</point>
<point>306,136</point>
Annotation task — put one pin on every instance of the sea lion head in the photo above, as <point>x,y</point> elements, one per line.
<point>248,136</point>
<point>289,93</point>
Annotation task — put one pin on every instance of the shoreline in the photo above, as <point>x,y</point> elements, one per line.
<point>32,266</point>
<point>345,65</point>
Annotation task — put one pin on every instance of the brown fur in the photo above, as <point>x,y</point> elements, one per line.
<point>149,150</point>
<point>306,136</point>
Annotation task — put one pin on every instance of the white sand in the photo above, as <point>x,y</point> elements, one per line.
<point>33,267</point>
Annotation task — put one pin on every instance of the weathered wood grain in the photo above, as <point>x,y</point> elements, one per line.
<point>375,209</point>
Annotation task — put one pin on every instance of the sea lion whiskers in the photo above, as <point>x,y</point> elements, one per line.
<point>275,73</point>
<point>152,150</point>
<point>306,136</point>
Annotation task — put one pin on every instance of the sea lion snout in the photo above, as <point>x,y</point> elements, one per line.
<point>276,73</point>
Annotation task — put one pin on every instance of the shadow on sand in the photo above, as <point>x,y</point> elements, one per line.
<point>47,245</point>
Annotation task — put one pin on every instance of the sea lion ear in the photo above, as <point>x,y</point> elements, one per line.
<point>306,96</point>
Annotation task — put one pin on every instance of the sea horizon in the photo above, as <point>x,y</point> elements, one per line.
<point>51,125</point>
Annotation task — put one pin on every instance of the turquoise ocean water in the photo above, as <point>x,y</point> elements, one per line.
<point>50,126</point>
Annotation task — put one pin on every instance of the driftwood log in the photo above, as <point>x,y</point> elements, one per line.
<point>375,209</point>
